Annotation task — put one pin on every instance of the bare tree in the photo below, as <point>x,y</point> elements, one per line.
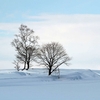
<point>52,55</point>
<point>16,63</point>
<point>26,46</point>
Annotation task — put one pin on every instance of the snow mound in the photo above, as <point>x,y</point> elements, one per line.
<point>75,76</point>
<point>82,74</point>
<point>41,75</point>
<point>20,73</point>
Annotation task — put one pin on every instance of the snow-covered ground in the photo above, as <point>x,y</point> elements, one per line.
<point>37,85</point>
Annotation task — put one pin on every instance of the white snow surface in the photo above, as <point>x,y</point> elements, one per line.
<point>35,84</point>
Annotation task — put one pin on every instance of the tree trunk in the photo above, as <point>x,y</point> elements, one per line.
<point>28,65</point>
<point>24,66</point>
<point>50,71</point>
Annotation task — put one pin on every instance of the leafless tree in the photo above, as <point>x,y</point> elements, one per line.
<point>26,46</point>
<point>52,55</point>
<point>16,63</point>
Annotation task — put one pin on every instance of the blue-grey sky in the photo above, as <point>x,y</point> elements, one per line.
<point>17,10</point>
<point>73,23</point>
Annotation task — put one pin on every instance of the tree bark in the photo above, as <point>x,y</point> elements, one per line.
<point>28,65</point>
<point>50,71</point>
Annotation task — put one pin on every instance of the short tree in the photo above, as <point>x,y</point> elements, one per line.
<point>26,46</point>
<point>17,66</point>
<point>52,55</point>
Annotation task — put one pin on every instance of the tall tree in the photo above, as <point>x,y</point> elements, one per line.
<point>26,45</point>
<point>52,55</point>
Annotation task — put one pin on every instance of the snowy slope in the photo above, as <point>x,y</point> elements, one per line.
<point>13,77</point>
<point>37,85</point>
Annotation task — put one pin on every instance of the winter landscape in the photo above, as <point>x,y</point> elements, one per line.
<point>49,49</point>
<point>35,84</point>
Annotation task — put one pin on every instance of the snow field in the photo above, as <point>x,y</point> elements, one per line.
<point>36,85</point>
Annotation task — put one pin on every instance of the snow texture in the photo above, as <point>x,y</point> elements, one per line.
<point>37,85</point>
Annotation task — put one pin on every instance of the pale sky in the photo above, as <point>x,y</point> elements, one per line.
<point>73,23</point>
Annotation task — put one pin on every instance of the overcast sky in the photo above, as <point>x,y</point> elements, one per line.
<point>73,23</point>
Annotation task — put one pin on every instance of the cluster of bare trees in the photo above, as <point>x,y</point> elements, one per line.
<point>51,55</point>
<point>26,46</point>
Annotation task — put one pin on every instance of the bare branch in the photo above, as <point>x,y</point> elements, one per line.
<point>26,45</point>
<point>52,56</point>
